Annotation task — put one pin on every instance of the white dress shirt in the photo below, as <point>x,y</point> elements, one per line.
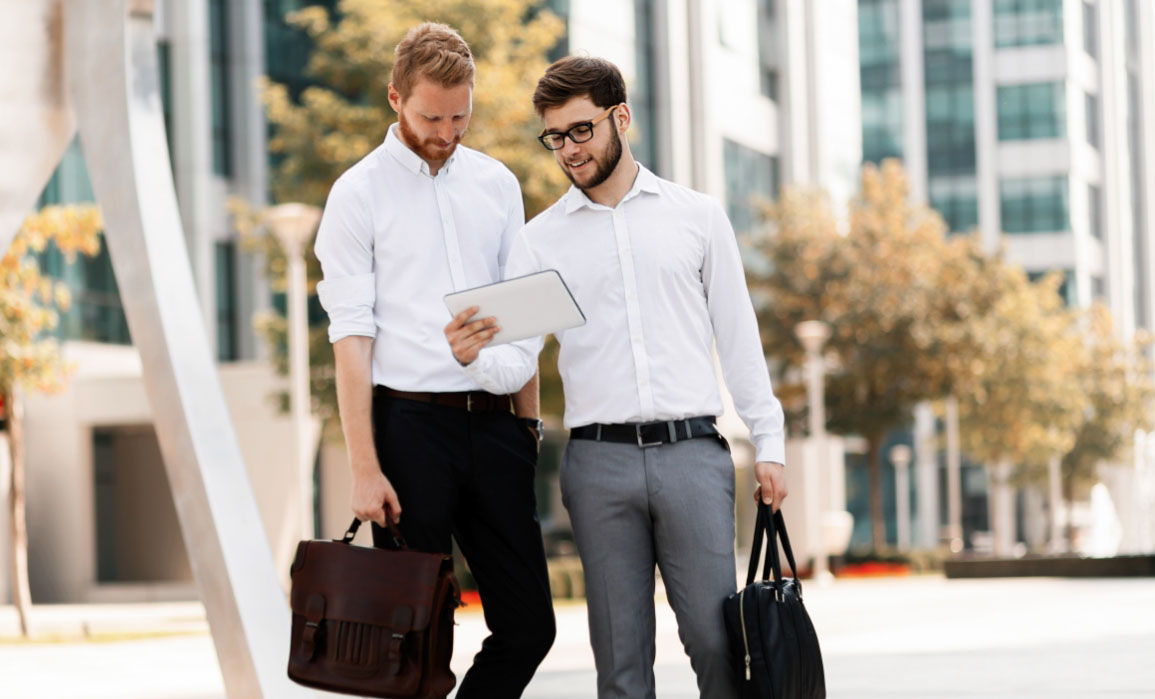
<point>659,278</point>
<point>394,240</point>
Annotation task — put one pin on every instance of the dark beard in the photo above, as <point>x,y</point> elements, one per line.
<point>424,149</point>
<point>605,167</point>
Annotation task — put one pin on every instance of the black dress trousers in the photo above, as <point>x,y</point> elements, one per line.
<point>470,476</point>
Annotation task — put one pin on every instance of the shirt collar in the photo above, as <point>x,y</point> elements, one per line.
<point>410,160</point>
<point>646,181</point>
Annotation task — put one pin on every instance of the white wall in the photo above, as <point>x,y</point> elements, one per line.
<point>108,391</point>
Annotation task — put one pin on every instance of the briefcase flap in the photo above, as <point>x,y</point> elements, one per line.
<point>366,585</point>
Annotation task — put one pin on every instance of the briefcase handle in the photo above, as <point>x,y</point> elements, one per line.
<point>393,530</point>
<point>771,526</point>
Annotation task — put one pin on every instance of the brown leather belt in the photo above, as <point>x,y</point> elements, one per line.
<point>473,401</point>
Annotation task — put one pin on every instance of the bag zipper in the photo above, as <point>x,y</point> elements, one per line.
<point>745,643</point>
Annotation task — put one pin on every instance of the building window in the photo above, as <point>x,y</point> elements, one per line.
<point>1091,105</point>
<point>949,87</point>
<point>956,200</point>
<point>950,124</point>
<point>881,79</point>
<point>1034,204</point>
<point>750,176</point>
<point>1090,29</point>
<point>226,300</point>
<point>219,75</point>
<point>1028,22</point>
<point>1031,111</point>
<point>1095,211</point>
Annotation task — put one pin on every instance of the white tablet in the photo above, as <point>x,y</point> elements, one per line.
<point>536,304</point>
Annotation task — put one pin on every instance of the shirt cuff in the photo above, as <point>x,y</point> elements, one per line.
<point>770,449</point>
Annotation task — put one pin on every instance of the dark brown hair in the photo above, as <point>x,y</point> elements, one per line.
<point>579,76</point>
<point>433,51</point>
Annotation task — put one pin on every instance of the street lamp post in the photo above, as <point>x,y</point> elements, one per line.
<point>813,335</point>
<point>293,225</point>
<point>900,457</point>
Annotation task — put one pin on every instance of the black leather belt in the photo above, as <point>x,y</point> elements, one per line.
<point>473,401</point>
<point>647,434</point>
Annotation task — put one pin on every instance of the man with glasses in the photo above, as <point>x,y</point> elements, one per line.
<point>646,478</point>
<point>417,218</point>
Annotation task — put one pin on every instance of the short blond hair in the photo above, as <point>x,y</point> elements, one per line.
<point>434,51</point>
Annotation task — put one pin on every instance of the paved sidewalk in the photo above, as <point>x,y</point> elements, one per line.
<point>920,638</point>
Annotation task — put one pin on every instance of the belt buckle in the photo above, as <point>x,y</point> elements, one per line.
<point>641,444</point>
<point>469,402</point>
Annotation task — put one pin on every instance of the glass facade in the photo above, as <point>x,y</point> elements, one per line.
<point>881,76</point>
<point>96,313</point>
<point>956,200</point>
<point>950,114</point>
<point>219,79</point>
<point>1032,111</point>
<point>750,176</point>
<point>227,314</point>
<point>643,136</point>
<point>1034,204</point>
<point>1028,22</point>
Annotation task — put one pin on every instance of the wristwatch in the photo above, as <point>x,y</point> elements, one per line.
<point>536,426</point>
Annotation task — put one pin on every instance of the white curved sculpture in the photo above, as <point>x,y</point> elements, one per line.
<point>92,65</point>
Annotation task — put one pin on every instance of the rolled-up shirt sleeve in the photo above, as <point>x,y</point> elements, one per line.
<point>739,345</point>
<point>344,247</point>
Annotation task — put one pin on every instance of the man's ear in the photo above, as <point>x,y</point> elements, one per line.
<point>623,118</point>
<point>394,99</point>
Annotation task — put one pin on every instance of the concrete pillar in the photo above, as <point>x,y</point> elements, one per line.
<point>913,98</point>
<point>926,477</point>
<point>986,124</point>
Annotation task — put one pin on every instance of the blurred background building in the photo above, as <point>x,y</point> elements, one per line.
<point>1026,116</point>
<point>1032,122</point>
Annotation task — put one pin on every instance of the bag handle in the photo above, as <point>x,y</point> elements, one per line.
<point>393,530</point>
<point>772,527</point>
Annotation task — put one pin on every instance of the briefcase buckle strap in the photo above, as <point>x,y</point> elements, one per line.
<point>314,614</point>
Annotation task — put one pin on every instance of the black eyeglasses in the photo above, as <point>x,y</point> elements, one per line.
<point>578,133</point>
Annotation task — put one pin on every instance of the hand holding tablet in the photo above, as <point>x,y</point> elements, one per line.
<point>536,304</point>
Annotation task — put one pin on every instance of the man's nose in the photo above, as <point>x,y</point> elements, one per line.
<point>569,148</point>
<point>447,133</point>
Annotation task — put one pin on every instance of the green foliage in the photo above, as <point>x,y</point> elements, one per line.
<point>916,315</point>
<point>29,301</point>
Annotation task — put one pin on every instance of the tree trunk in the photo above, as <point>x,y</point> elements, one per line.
<point>877,523</point>
<point>18,546</point>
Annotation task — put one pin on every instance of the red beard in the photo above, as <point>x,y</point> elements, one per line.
<point>429,149</point>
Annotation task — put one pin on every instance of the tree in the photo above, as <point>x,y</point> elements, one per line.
<point>29,304</point>
<point>345,114</point>
<point>884,288</point>
<point>1116,383</point>
<point>1024,404</point>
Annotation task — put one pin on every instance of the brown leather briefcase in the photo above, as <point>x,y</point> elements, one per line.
<point>373,622</point>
